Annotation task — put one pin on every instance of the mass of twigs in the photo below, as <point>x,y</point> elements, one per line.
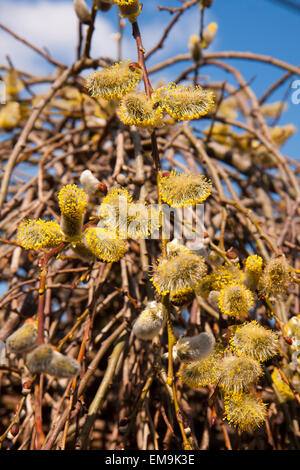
<point>122,398</point>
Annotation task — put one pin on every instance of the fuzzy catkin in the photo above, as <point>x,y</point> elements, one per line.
<point>23,339</point>
<point>150,321</point>
<point>193,348</point>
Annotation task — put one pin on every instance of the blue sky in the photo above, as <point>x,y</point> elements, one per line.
<point>261,26</point>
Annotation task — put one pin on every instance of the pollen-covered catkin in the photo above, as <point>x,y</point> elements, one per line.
<point>10,115</point>
<point>253,270</point>
<point>136,109</point>
<point>38,234</point>
<point>253,340</point>
<point>235,373</point>
<point>183,102</point>
<point>72,203</point>
<point>115,81</point>
<point>235,300</point>
<point>179,274</point>
<point>143,220</point>
<point>189,349</point>
<point>244,411</point>
<point>129,9</point>
<point>200,373</point>
<point>23,339</point>
<point>114,209</point>
<point>179,189</point>
<point>150,321</point>
<point>276,278</point>
<point>104,244</point>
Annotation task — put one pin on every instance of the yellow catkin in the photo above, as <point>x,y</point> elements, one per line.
<point>283,389</point>
<point>38,234</point>
<point>12,82</point>
<point>235,300</point>
<point>179,274</point>
<point>138,110</point>
<point>253,270</point>
<point>115,81</point>
<point>114,211</point>
<point>129,9</point>
<point>209,34</point>
<point>180,189</point>
<point>244,411</point>
<point>183,102</point>
<point>143,220</point>
<point>10,115</point>
<point>72,202</point>
<point>276,278</point>
<point>235,373</point>
<point>253,340</point>
<point>200,373</point>
<point>103,244</point>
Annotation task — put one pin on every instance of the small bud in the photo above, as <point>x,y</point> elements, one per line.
<point>231,255</point>
<point>213,298</point>
<point>26,387</point>
<point>209,34</point>
<point>89,182</point>
<point>82,11</point>
<point>193,348</point>
<point>14,430</point>
<point>195,48</point>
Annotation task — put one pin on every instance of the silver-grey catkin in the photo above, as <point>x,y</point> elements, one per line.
<point>23,339</point>
<point>189,349</point>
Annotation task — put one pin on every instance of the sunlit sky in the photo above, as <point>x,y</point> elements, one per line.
<point>261,26</point>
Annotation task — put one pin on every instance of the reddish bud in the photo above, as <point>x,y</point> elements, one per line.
<point>166,173</point>
<point>288,340</point>
<point>231,255</point>
<point>134,65</point>
<point>102,187</point>
<point>14,430</point>
<point>26,387</point>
